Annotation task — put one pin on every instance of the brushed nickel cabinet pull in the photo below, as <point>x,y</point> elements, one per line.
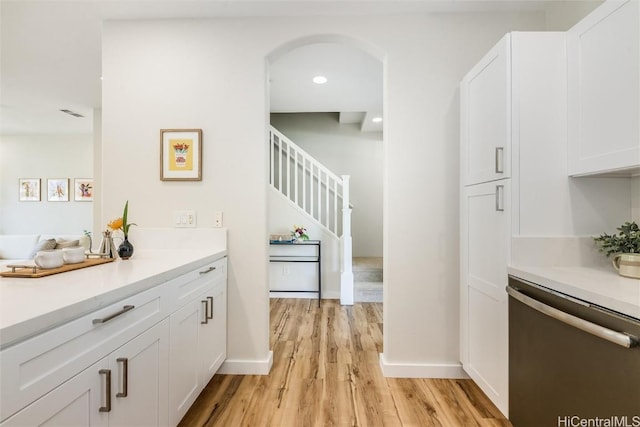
<point>210,306</point>
<point>499,159</point>
<point>107,374</point>
<point>125,376</point>
<point>114,315</point>
<point>205,311</point>
<point>500,198</point>
<point>209,270</point>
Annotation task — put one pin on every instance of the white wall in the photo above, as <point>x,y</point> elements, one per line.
<point>562,15</point>
<point>345,150</point>
<point>635,199</point>
<point>210,74</point>
<point>44,156</point>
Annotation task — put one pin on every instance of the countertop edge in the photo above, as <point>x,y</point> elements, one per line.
<point>19,332</point>
<point>555,278</point>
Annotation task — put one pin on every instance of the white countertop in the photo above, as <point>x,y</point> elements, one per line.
<point>30,306</point>
<point>600,286</point>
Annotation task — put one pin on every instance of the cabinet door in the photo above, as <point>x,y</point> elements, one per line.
<point>140,379</point>
<point>183,358</point>
<point>212,340</point>
<point>604,91</point>
<point>485,243</point>
<point>485,128</point>
<point>74,403</point>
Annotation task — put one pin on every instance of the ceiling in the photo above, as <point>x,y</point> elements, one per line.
<point>51,56</point>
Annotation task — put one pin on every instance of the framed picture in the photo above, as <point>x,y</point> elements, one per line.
<point>83,189</point>
<point>181,154</point>
<point>58,190</point>
<point>29,189</point>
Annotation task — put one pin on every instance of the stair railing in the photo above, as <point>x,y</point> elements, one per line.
<point>317,191</point>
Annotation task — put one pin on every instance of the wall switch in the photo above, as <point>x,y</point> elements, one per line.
<point>218,220</point>
<point>185,219</point>
<point>285,270</point>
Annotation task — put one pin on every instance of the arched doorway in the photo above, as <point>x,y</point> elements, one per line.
<point>334,123</point>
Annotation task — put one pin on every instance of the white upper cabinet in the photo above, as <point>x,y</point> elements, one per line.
<point>485,95</point>
<point>604,91</point>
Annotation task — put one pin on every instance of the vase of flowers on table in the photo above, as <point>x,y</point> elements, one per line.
<point>299,233</point>
<point>125,250</point>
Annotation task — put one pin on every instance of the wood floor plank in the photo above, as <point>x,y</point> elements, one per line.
<point>326,372</point>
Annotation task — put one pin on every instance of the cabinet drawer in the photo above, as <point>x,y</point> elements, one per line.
<point>185,288</point>
<point>32,368</point>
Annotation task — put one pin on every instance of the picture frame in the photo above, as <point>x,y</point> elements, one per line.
<point>29,190</point>
<point>58,189</point>
<point>83,189</point>
<point>181,154</point>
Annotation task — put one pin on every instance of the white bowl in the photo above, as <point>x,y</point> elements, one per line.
<point>49,259</point>
<point>73,255</point>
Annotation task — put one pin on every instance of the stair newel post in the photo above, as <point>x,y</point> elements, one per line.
<point>346,255</point>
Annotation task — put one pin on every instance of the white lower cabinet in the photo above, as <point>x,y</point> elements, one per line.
<point>140,379</point>
<point>139,362</point>
<point>127,388</point>
<point>199,347</point>
<point>485,234</point>
<point>74,403</point>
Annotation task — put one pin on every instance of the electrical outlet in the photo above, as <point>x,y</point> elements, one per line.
<point>185,219</point>
<point>218,220</point>
<point>285,270</point>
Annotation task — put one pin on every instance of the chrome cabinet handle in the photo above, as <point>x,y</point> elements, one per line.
<point>114,315</point>
<point>619,338</point>
<point>210,313</point>
<point>500,198</point>
<point>125,376</point>
<point>206,312</point>
<point>499,159</point>
<point>107,374</point>
<point>209,270</point>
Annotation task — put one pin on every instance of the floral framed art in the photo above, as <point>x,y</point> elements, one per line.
<point>83,189</point>
<point>58,190</point>
<point>29,189</point>
<point>181,154</point>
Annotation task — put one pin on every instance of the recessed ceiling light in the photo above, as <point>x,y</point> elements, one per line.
<point>376,119</point>
<point>319,80</point>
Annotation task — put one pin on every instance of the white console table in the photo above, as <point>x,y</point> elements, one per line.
<point>298,252</point>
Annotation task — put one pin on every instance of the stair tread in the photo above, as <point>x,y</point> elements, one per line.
<point>367,264</point>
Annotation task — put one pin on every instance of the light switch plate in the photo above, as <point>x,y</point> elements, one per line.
<point>185,219</point>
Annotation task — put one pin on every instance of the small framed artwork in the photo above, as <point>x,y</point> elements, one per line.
<point>58,190</point>
<point>83,189</point>
<point>29,189</point>
<point>181,154</point>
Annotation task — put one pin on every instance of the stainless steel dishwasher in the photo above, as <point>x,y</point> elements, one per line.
<point>571,363</point>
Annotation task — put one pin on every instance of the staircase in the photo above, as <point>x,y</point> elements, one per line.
<point>319,193</point>
<point>367,278</point>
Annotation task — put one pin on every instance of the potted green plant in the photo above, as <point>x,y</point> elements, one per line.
<point>625,248</point>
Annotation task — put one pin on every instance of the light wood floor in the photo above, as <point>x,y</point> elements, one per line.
<point>326,372</point>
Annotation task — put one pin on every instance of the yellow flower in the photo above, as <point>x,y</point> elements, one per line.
<point>121,223</point>
<point>116,224</point>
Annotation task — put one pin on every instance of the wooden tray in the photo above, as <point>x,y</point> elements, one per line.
<point>35,272</point>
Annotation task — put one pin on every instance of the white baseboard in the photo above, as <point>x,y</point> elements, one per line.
<point>247,367</point>
<point>427,370</point>
<point>325,295</point>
